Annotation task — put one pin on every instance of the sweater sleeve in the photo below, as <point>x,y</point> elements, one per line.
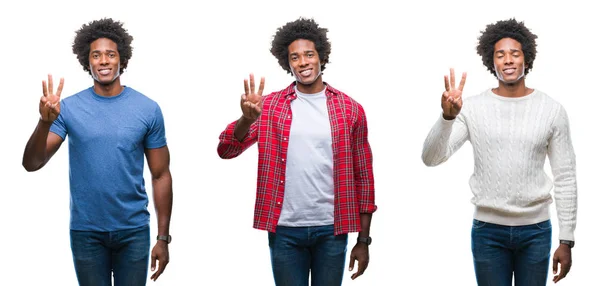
<point>444,138</point>
<point>562,161</point>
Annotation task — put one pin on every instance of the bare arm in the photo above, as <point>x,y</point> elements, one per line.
<point>43,144</point>
<point>158,163</point>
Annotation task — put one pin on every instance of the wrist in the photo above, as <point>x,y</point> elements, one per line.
<point>366,240</point>
<point>448,117</point>
<point>247,120</point>
<point>44,122</point>
<point>163,239</point>
<point>567,243</point>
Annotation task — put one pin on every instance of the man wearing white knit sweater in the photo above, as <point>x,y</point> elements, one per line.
<point>512,129</point>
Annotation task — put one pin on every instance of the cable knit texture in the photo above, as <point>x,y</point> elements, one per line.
<point>511,138</point>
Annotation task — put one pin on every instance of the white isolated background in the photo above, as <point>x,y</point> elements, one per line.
<point>192,57</point>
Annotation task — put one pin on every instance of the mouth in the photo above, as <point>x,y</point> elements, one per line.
<point>509,71</point>
<point>104,72</point>
<point>306,72</point>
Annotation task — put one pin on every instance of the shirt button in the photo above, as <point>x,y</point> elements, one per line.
<point>284,139</point>
<point>289,116</point>
<point>278,203</point>
<point>281,182</point>
<point>282,159</point>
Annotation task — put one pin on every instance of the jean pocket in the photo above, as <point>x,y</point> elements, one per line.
<point>544,225</point>
<point>477,224</point>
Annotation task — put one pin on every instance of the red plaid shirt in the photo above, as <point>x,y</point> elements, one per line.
<point>352,159</point>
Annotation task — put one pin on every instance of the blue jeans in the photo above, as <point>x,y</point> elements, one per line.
<point>125,253</point>
<point>499,251</point>
<point>296,251</point>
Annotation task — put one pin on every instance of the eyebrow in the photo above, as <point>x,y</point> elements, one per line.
<point>108,51</point>
<point>511,50</point>
<point>307,51</point>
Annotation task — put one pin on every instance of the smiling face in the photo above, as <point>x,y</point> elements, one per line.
<point>305,66</point>
<point>509,61</point>
<point>105,61</point>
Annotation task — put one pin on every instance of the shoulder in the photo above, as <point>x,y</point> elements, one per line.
<point>141,99</point>
<point>346,100</point>
<point>276,96</point>
<point>479,98</point>
<point>78,97</point>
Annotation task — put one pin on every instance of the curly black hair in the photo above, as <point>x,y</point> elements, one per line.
<point>506,29</point>
<point>103,28</point>
<point>302,28</point>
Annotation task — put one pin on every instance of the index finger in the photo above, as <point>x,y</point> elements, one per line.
<point>60,87</point>
<point>44,89</point>
<point>461,85</point>
<point>446,84</point>
<point>246,87</point>
<point>261,87</point>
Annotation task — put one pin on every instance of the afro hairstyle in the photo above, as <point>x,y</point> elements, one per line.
<point>103,28</point>
<point>302,28</point>
<point>506,29</point>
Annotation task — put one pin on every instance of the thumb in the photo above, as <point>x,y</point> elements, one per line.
<point>554,264</point>
<point>153,264</point>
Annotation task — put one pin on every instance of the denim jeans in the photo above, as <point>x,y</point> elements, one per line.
<point>499,251</point>
<point>125,253</point>
<point>298,251</point>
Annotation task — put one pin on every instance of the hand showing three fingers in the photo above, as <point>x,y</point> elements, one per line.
<point>452,97</point>
<point>50,101</point>
<point>252,101</point>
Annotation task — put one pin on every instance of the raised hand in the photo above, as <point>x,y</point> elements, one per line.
<point>252,102</point>
<point>50,101</point>
<point>452,97</point>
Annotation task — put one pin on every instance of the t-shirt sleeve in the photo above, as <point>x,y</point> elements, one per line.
<point>155,138</point>
<point>58,126</point>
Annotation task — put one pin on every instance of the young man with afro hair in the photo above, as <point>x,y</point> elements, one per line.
<point>110,128</point>
<point>315,174</point>
<point>512,129</point>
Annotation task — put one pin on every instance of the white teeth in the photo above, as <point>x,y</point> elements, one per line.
<point>305,73</point>
<point>104,72</point>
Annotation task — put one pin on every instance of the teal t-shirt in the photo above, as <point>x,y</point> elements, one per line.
<point>107,138</point>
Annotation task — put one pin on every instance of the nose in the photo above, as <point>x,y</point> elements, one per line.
<point>302,61</point>
<point>508,59</point>
<point>104,59</point>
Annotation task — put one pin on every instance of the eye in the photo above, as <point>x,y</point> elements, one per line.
<point>111,55</point>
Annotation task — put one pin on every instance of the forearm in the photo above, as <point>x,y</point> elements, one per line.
<point>163,201</point>
<point>444,138</point>
<point>242,127</point>
<point>365,224</point>
<point>565,195</point>
<point>35,155</point>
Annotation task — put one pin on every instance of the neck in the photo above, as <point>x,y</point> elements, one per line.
<point>515,89</point>
<point>108,90</point>
<point>315,87</point>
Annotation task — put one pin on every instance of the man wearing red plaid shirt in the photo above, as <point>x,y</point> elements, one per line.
<point>315,176</point>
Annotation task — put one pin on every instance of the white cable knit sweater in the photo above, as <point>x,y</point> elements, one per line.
<point>511,138</point>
